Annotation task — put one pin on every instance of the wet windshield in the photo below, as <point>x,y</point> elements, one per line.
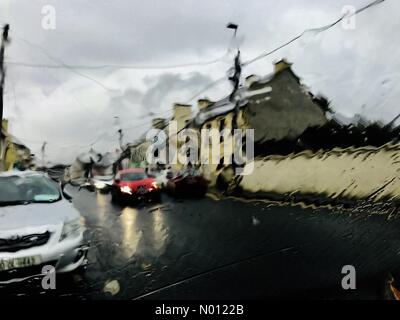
<point>203,150</point>
<point>16,190</point>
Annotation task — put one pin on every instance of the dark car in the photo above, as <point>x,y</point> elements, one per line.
<point>134,185</point>
<point>188,183</point>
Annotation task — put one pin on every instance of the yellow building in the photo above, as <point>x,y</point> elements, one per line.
<point>215,122</point>
<point>14,154</point>
<point>182,116</point>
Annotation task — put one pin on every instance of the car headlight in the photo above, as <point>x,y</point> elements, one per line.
<point>72,229</point>
<point>100,185</point>
<point>155,185</point>
<point>126,189</point>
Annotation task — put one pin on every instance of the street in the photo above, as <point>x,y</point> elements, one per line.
<point>223,249</point>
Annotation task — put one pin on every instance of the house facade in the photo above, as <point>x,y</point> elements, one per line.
<point>163,146</point>
<point>14,154</point>
<point>277,107</point>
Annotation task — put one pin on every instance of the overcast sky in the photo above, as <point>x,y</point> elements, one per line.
<point>357,69</point>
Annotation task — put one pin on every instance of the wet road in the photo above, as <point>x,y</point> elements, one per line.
<point>224,249</point>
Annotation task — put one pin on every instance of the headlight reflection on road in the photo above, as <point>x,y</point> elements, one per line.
<point>100,185</point>
<point>102,202</point>
<point>130,234</point>
<point>160,231</point>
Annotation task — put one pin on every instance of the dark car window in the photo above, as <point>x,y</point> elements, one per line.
<point>133,176</point>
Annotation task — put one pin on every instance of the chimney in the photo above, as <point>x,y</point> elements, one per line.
<point>204,103</point>
<point>181,109</point>
<point>182,114</point>
<point>281,65</point>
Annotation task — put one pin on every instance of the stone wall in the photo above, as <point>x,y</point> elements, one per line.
<point>352,173</point>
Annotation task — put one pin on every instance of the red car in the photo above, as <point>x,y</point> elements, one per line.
<point>134,184</point>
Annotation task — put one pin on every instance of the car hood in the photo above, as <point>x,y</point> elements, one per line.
<point>36,215</point>
<point>134,184</point>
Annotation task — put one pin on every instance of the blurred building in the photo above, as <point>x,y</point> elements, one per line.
<point>14,154</point>
<point>160,141</point>
<point>89,164</point>
<point>278,107</point>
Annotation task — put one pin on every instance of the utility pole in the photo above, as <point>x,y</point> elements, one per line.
<point>4,40</point>
<point>43,154</point>
<point>121,135</point>
<point>235,78</point>
<point>234,98</point>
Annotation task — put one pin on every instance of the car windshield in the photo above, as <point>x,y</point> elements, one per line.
<point>18,190</point>
<point>133,176</point>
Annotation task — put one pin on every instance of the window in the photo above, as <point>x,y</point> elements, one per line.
<point>221,124</point>
<point>221,163</point>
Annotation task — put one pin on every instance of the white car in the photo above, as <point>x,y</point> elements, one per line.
<point>38,227</point>
<point>102,183</point>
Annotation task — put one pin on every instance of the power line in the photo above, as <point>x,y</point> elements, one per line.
<point>116,66</point>
<point>212,84</point>
<point>320,29</point>
<point>62,64</point>
<point>137,125</point>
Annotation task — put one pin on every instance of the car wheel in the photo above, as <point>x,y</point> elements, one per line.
<point>156,197</point>
<point>114,198</point>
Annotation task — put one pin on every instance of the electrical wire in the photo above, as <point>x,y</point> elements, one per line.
<point>320,29</point>
<point>211,85</point>
<point>116,66</point>
<point>62,64</point>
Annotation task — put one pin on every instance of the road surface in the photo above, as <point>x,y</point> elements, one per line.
<point>224,249</point>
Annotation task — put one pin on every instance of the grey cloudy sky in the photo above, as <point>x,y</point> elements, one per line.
<point>357,69</point>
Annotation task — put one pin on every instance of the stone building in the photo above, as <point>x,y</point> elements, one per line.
<point>276,107</point>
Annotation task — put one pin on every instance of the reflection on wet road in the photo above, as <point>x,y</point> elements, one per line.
<point>221,249</point>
